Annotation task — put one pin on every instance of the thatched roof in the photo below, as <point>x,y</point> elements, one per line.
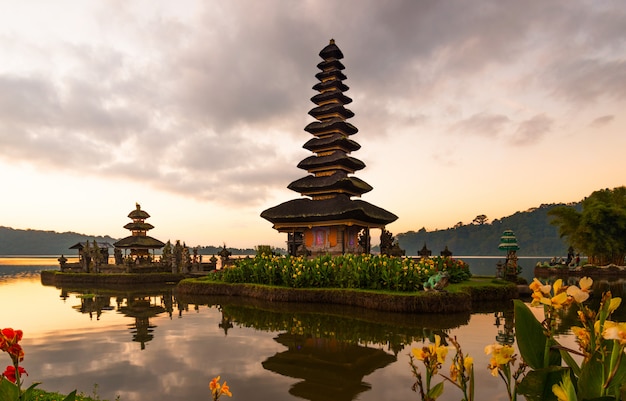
<point>139,241</point>
<point>338,208</point>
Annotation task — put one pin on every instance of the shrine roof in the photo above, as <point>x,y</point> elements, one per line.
<point>337,182</point>
<point>335,140</point>
<point>139,241</point>
<point>338,208</point>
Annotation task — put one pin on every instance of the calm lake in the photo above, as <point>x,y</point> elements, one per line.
<point>149,344</point>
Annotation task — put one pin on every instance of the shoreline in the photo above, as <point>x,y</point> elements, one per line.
<point>462,299</point>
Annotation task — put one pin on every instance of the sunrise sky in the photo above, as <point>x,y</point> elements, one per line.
<point>196,109</point>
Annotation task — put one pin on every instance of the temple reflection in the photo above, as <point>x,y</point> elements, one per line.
<point>140,305</point>
<point>330,369</point>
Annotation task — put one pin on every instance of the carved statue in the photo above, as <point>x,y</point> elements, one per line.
<point>437,282</point>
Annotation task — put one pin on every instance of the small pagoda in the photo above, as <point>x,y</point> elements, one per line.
<point>139,243</point>
<point>508,243</point>
<point>326,220</point>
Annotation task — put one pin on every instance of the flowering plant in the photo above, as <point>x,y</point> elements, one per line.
<point>602,372</point>
<point>11,379</point>
<point>217,389</point>
<point>433,357</point>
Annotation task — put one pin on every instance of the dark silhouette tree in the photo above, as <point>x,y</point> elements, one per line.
<point>480,220</point>
<point>599,230</point>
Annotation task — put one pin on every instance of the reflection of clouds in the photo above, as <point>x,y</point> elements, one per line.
<point>187,352</point>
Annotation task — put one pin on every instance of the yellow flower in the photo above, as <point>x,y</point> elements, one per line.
<point>614,304</point>
<point>565,390</point>
<point>582,337</point>
<point>433,355</point>
<point>501,355</point>
<point>538,286</point>
<point>615,331</point>
<point>560,393</point>
<point>468,363</point>
<point>581,294</point>
<point>556,301</point>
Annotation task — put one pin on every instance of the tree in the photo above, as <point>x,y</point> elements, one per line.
<point>480,220</point>
<point>599,230</point>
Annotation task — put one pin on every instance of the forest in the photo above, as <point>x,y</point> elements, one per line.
<point>535,234</point>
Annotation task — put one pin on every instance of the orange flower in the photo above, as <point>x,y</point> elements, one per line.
<point>218,389</point>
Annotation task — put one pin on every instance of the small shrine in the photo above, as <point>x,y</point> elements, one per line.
<point>139,243</point>
<point>425,253</point>
<point>326,220</point>
<point>508,243</point>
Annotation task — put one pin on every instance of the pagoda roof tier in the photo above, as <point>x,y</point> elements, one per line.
<point>336,124</point>
<point>331,73</point>
<point>139,226</point>
<point>336,183</point>
<point>305,212</point>
<point>331,51</point>
<point>331,110</point>
<point>139,241</point>
<point>331,65</point>
<point>329,85</point>
<point>331,142</point>
<point>335,96</point>
<point>138,214</point>
<point>334,161</point>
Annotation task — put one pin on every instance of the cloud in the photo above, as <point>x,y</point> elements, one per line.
<point>482,124</point>
<point>602,121</point>
<point>187,101</point>
<point>532,130</point>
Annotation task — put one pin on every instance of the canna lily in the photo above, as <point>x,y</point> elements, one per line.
<point>10,375</point>
<point>581,294</point>
<point>614,304</point>
<point>582,337</point>
<point>218,389</point>
<point>9,337</point>
<point>565,391</point>
<point>615,331</point>
<point>501,355</point>
<point>438,350</point>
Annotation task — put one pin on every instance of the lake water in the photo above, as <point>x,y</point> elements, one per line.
<point>149,344</point>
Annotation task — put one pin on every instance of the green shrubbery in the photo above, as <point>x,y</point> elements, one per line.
<point>348,271</point>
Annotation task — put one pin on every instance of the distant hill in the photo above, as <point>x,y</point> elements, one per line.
<point>38,242</point>
<point>535,236</point>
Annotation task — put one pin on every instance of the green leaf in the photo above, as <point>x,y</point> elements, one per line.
<point>28,393</point>
<point>567,357</point>
<point>537,384</point>
<point>530,337</point>
<point>590,381</point>
<point>436,391</point>
<point>71,396</point>
<point>8,390</point>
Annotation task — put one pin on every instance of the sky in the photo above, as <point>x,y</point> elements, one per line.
<point>196,109</point>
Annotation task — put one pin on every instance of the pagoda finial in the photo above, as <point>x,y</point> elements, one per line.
<point>137,206</point>
<point>332,41</point>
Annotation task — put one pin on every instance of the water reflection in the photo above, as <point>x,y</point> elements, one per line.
<point>265,350</point>
<point>140,304</point>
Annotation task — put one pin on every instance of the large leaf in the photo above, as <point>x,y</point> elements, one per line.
<point>537,384</point>
<point>590,380</point>
<point>530,337</point>
<point>8,390</point>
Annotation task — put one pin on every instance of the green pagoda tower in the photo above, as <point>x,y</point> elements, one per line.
<point>326,220</point>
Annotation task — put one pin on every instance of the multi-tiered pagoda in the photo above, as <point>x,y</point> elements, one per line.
<point>327,220</point>
<point>139,242</point>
